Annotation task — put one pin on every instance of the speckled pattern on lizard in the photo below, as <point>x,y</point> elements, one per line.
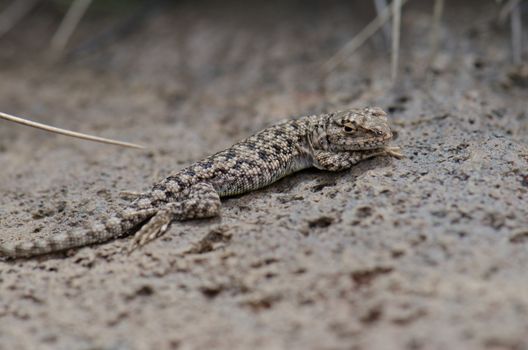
<point>333,141</point>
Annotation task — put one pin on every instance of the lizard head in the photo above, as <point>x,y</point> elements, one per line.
<point>356,129</point>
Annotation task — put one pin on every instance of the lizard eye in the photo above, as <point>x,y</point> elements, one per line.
<point>347,128</point>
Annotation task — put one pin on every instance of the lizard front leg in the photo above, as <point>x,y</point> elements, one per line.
<point>337,161</point>
<point>202,202</point>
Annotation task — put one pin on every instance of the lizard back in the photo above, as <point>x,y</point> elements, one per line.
<point>253,163</point>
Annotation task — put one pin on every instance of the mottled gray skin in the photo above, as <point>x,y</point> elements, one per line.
<point>333,142</point>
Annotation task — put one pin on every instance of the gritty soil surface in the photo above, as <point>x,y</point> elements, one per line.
<point>427,252</point>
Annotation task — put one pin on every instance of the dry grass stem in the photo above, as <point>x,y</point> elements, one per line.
<point>381,5</point>
<point>507,9</point>
<point>396,26</point>
<point>516,33</point>
<point>438,11</point>
<point>72,18</point>
<point>359,39</point>
<point>14,14</point>
<point>66,132</point>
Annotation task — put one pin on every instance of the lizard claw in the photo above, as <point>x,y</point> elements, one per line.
<point>394,152</point>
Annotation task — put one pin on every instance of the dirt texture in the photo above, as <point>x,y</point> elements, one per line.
<point>428,252</point>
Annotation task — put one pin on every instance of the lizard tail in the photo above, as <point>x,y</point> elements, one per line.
<point>99,233</point>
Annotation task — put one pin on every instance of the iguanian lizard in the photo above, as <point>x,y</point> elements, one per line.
<point>333,141</point>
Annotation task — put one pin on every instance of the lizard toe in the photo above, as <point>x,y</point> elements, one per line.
<point>153,229</point>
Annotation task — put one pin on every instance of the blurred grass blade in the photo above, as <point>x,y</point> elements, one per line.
<point>396,26</point>
<point>516,33</point>
<point>381,5</point>
<point>72,18</point>
<point>438,11</point>
<point>66,132</point>
<point>359,39</point>
<point>506,9</point>
<point>14,14</point>
<point>131,21</point>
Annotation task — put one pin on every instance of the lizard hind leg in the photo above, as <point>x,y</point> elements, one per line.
<point>154,228</point>
<point>202,201</point>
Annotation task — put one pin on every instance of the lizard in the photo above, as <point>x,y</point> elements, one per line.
<point>330,141</point>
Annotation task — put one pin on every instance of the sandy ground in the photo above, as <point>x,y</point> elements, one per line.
<point>428,252</point>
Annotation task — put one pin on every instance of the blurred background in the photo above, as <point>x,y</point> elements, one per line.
<point>296,56</point>
<point>427,252</point>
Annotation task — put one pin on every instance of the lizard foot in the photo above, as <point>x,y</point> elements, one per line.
<point>153,229</point>
<point>394,152</point>
<point>202,202</point>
